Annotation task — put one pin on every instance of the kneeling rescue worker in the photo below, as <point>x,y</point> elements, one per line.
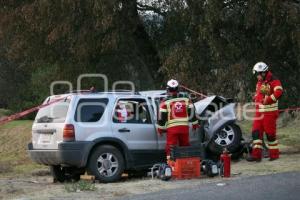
<point>175,114</point>
<point>268,91</point>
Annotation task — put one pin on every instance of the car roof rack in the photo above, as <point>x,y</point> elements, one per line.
<point>80,91</point>
<point>123,91</point>
<point>109,91</point>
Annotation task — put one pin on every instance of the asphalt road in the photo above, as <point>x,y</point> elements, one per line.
<point>284,186</point>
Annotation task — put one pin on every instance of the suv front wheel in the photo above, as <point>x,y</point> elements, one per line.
<point>106,163</point>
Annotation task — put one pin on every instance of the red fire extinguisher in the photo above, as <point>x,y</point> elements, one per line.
<point>225,163</point>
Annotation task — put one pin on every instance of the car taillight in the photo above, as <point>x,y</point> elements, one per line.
<point>69,133</point>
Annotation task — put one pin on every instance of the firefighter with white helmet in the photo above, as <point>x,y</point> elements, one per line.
<point>268,91</point>
<point>175,114</point>
<point>172,86</point>
<point>260,67</point>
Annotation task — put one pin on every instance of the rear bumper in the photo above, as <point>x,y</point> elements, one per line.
<point>68,154</point>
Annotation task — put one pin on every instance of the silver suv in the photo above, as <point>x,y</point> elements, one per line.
<point>90,132</point>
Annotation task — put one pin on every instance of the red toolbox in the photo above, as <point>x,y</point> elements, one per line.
<point>185,168</point>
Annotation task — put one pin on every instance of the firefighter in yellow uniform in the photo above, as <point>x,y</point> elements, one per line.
<point>175,114</point>
<point>268,91</point>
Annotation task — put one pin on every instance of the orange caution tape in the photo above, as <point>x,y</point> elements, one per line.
<point>27,112</point>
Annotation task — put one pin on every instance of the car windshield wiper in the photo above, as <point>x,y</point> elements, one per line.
<point>45,119</point>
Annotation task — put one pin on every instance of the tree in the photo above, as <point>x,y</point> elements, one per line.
<point>58,40</point>
<point>212,45</point>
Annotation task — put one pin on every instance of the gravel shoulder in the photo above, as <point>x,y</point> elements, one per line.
<point>40,185</point>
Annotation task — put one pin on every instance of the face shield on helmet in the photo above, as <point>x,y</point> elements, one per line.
<point>260,67</point>
<point>172,86</point>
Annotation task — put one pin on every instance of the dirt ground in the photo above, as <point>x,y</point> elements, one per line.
<point>39,185</point>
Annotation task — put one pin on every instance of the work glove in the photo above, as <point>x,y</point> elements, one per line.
<point>195,127</point>
<point>265,89</point>
<point>160,131</point>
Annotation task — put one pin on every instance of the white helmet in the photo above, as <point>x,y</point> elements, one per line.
<point>260,67</point>
<point>172,85</point>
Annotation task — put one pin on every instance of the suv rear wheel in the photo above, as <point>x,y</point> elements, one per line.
<point>106,163</point>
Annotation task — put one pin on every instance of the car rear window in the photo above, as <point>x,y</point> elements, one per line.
<point>54,113</point>
<point>90,110</point>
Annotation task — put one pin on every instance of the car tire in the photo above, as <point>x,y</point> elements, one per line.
<point>228,137</point>
<point>106,163</point>
<point>58,173</point>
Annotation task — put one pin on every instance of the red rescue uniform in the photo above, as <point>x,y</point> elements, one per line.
<point>266,98</point>
<point>175,114</point>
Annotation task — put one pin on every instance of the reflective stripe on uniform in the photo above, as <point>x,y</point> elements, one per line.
<point>162,110</point>
<point>185,119</point>
<point>273,97</point>
<point>273,147</point>
<point>273,143</point>
<point>278,88</point>
<point>176,99</point>
<point>160,127</point>
<point>177,124</point>
<point>268,108</point>
<point>187,104</point>
<point>195,122</point>
<point>257,146</point>
<point>169,111</point>
<point>257,142</point>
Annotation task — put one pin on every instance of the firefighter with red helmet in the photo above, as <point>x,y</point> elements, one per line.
<point>175,114</point>
<point>268,91</point>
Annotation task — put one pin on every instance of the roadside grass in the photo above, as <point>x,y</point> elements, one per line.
<point>286,163</point>
<point>289,135</point>
<point>14,160</point>
<point>82,185</point>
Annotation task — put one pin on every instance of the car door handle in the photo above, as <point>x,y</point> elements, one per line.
<point>122,130</point>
